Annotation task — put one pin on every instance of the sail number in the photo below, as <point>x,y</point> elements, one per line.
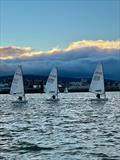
<point>96,78</point>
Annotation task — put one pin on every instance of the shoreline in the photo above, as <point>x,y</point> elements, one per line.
<point>41,92</point>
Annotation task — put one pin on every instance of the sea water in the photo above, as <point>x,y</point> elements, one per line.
<point>72,128</point>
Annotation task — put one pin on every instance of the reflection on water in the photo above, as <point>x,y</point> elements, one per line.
<point>73,128</point>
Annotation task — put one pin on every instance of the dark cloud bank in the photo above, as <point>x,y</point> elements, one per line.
<point>75,63</point>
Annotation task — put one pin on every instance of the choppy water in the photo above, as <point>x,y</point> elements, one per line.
<point>71,129</point>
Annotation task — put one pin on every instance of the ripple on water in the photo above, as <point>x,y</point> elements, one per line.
<point>70,129</point>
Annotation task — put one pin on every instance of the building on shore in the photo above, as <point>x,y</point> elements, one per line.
<point>37,85</point>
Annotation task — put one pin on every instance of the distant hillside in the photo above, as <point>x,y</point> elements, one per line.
<point>61,78</point>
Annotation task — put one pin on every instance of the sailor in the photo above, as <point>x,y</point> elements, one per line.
<point>98,96</point>
<point>20,98</point>
<point>53,97</point>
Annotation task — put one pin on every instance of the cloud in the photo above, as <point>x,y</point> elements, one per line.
<point>13,52</point>
<point>98,45</point>
<point>79,59</point>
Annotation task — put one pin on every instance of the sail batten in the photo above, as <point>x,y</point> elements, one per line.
<point>97,83</point>
<point>17,86</point>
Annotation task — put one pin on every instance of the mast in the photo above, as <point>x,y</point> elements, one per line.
<point>22,80</point>
<point>103,78</point>
<point>57,80</point>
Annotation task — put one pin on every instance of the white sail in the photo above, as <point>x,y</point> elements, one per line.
<point>97,83</point>
<point>66,90</point>
<point>17,87</point>
<point>52,83</point>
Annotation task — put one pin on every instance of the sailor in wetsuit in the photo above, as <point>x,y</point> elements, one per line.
<point>53,97</point>
<point>98,96</point>
<point>20,98</point>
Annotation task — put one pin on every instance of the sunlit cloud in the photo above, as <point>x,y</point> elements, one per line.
<point>15,49</point>
<point>14,52</point>
<point>6,57</point>
<point>79,59</point>
<point>54,51</point>
<point>99,44</point>
<point>31,54</point>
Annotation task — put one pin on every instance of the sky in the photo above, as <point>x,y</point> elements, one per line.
<point>52,31</point>
<point>44,24</point>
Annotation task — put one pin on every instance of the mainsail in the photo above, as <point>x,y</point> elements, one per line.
<point>97,83</point>
<point>52,82</point>
<point>17,87</point>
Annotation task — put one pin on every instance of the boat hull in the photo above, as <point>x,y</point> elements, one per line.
<point>19,102</point>
<point>96,99</point>
<point>52,100</point>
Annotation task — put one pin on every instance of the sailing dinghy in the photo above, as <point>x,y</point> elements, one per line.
<point>17,86</point>
<point>51,87</point>
<point>66,89</point>
<point>97,84</point>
